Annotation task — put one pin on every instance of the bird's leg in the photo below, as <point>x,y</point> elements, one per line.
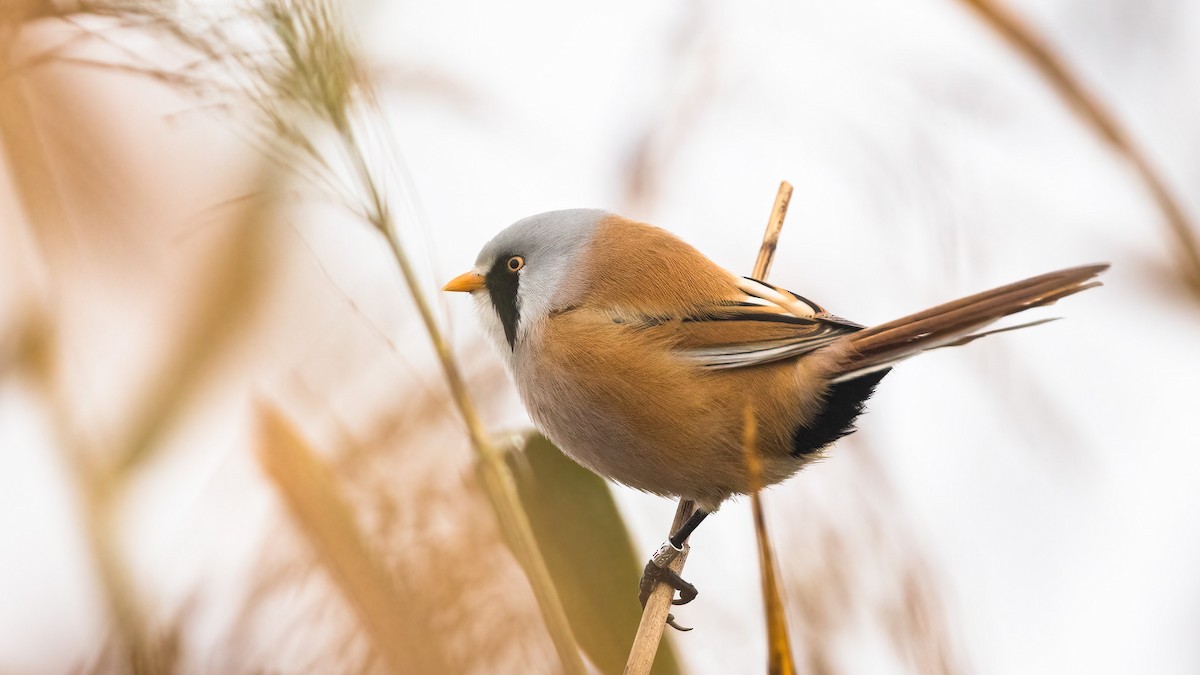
<point>658,569</point>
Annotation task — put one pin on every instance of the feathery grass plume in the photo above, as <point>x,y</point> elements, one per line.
<point>421,512</point>
<point>1104,123</point>
<point>399,636</point>
<point>292,61</point>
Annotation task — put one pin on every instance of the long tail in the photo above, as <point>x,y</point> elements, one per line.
<point>954,323</point>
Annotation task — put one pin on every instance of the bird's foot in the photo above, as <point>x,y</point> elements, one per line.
<point>658,570</point>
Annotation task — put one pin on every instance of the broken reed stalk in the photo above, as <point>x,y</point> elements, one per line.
<point>658,605</point>
<point>766,252</point>
<point>779,648</point>
<point>1103,123</point>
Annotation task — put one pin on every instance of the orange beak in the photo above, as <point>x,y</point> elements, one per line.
<point>465,283</point>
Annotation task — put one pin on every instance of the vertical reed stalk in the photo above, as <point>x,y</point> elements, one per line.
<point>779,648</point>
<point>658,605</point>
<point>497,480</point>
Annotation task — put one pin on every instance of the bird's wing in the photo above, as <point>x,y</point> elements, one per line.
<point>732,337</point>
<point>761,324</point>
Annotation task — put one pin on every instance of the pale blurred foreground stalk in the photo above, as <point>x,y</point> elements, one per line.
<point>1105,124</point>
<point>292,62</point>
<point>103,466</point>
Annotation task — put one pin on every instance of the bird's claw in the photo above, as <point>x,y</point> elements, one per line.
<point>653,574</point>
<point>656,571</point>
<point>672,624</point>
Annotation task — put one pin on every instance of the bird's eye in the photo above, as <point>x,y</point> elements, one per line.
<point>515,263</point>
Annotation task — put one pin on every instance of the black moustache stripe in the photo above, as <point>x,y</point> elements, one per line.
<point>502,289</point>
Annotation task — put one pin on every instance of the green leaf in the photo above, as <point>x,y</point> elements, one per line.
<point>588,550</point>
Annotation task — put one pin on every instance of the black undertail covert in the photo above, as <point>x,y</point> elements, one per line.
<point>843,404</point>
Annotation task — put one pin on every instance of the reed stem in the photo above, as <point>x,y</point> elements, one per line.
<point>654,615</point>
<point>497,480</point>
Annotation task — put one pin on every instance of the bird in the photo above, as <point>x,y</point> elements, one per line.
<point>637,355</point>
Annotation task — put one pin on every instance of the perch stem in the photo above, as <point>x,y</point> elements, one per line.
<point>658,606</point>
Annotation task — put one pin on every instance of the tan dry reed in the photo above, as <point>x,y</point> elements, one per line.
<point>658,605</point>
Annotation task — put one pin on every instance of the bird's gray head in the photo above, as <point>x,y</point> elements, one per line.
<point>530,269</point>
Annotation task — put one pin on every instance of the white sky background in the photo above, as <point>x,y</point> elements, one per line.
<point>1050,476</point>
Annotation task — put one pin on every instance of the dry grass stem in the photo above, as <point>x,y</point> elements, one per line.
<point>654,615</point>
<point>497,479</point>
<point>779,648</point>
<point>313,498</point>
<point>779,652</point>
<point>766,253</point>
<point>1018,34</point>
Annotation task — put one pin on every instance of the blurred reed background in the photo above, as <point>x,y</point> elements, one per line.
<point>232,434</point>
